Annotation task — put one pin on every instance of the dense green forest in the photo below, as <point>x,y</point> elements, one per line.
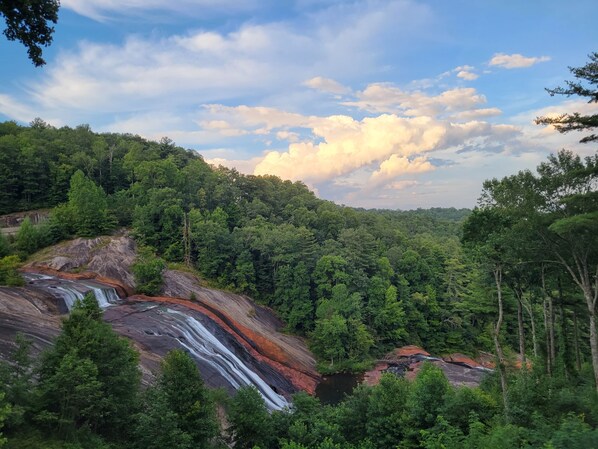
<point>514,275</point>
<point>356,282</point>
<point>517,276</point>
<point>85,393</point>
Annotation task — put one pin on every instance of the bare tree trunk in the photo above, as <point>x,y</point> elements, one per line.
<point>521,331</point>
<point>594,342</point>
<point>496,336</point>
<point>549,323</point>
<point>547,337</point>
<point>527,305</point>
<point>576,337</point>
<point>551,330</point>
<point>588,283</point>
<point>187,241</point>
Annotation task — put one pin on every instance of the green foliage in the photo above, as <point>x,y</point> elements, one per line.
<point>16,379</point>
<point>29,238</point>
<point>251,424</point>
<point>158,425</point>
<point>148,270</point>
<point>89,378</point>
<point>4,246</point>
<point>387,408</point>
<point>89,206</point>
<point>5,410</point>
<point>29,23</point>
<point>427,396</point>
<point>9,274</point>
<point>575,121</point>
<point>187,397</point>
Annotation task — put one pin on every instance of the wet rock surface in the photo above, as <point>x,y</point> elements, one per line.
<point>406,362</point>
<point>30,311</point>
<point>108,259</point>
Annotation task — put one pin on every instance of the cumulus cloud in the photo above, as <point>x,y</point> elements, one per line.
<point>258,120</point>
<point>392,144</point>
<point>469,76</point>
<point>466,72</point>
<point>326,85</point>
<point>515,61</point>
<point>386,97</point>
<point>397,165</point>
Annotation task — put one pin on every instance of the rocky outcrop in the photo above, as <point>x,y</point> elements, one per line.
<point>257,325</point>
<point>266,352</point>
<point>254,328</point>
<point>32,312</point>
<point>106,258</point>
<point>406,362</point>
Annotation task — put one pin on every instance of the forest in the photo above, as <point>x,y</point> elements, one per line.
<point>517,276</point>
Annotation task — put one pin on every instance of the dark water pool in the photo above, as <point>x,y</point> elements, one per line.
<point>333,388</point>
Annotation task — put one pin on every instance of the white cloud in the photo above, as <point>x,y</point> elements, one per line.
<point>146,75</point>
<point>397,165</point>
<point>474,114</point>
<point>103,10</point>
<point>466,72</point>
<point>403,184</point>
<point>515,61</point>
<point>393,144</point>
<point>287,135</point>
<point>386,97</point>
<point>466,75</point>
<point>326,85</point>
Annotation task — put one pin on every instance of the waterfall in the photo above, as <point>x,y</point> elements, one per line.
<point>205,347</point>
<point>106,296</point>
<point>70,291</point>
<point>69,295</point>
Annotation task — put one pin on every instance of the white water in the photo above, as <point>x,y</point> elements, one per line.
<point>202,344</point>
<point>70,291</point>
<point>206,347</point>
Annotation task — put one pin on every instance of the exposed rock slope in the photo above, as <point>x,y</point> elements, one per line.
<point>253,327</point>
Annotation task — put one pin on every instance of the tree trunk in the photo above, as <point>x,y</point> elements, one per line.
<point>593,337</point>
<point>521,331</point>
<point>549,323</point>
<point>576,337</point>
<point>580,272</point>
<point>496,336</point>
<point>547,336</point>
<point>530,311</point>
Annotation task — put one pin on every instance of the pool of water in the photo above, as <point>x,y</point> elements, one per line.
<point>333,388</point>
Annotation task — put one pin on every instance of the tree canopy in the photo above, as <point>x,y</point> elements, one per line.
<point>586,87</point>
<point>29,23</point>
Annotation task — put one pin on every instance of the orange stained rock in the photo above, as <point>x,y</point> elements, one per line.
<point>407,351</point>
<point>462,359</point>
<point>121,289</point>
<point>258,346</point>
<point>373,376</point>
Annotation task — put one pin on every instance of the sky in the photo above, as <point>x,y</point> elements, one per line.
<point>395,104</point>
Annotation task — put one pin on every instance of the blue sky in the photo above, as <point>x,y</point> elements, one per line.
<point>394,104</point>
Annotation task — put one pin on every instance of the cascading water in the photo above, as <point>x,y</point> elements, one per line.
<point>164,328</point>
<point>70,291</point>
<point>205,347</point>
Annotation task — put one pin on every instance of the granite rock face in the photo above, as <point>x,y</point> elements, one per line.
<point>250,332</point>
<point>406,362</point>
